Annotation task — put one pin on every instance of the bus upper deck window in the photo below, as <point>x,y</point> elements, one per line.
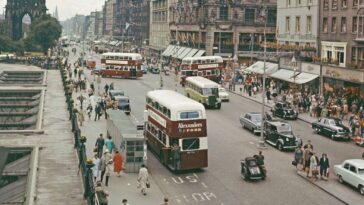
<point>189,115</point>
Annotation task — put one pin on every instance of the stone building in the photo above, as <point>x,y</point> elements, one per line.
<point>341,32</point>
<point>298,26</point>
<point>222,27</point>
<point>110,20</point>
<point>159,37</point>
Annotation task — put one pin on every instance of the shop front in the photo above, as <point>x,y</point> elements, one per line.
<point>305,78</point>
<point>343,81</point>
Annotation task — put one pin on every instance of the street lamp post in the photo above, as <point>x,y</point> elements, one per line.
<point>264,64</point>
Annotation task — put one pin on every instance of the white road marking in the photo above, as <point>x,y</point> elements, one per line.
<point>194,174</point>
<point>204,185</point>
<point>251,142</point>
<point>135,119</point>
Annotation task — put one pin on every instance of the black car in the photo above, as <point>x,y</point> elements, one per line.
<point>123,103</point>
<point>332,127</point>
<point>250,170</point>
<point>115,92</point>
<point>279,134</point>
<point>284,110</point>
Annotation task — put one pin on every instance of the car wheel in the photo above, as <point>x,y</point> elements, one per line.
<point>361,189</point>
<point>317,130</point>
<point>253,130</point>
<point>243,125</point>
<point>280,147</point>
<point>333,136</point>
<point>341,179</point>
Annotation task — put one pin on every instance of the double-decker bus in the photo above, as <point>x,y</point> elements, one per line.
<point>204,91</point>
<point>125,65</point>
<point>176,130</point>
<point>206,66</point>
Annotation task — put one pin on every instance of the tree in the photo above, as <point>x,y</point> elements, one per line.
<point>45,31</point>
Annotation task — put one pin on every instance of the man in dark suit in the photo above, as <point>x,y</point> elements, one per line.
<point>324,165</point>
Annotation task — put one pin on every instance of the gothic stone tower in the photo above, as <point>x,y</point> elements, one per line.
<point>17,9</point>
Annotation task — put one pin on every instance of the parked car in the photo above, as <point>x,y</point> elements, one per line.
<point>224,96</point>
<point>351,171</point>
<point>284,110</point>
<point>280,135</point>
<point>252,121</point>
<point>332,127</point>
<point>123,103</point>
<point>114,93</point>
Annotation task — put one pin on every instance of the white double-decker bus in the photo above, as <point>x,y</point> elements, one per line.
<point>176,130</point>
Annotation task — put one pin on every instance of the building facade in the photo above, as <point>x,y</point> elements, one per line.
<point>341,33</point>
<point>298,26</point>
<point>110,22</point>
<point>159,34</point>
<point>220,27</point>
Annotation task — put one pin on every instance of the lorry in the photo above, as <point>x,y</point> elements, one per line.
<point>128,138</point>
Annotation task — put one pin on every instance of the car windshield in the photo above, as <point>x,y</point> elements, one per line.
<point>123,101</point>
<point>117,93</point>
<point>286,105</point>
<point>337,122</point>
<point>222,90</point>
<point>284,129</point>
<point>361,171</point>
<point>256,118</point>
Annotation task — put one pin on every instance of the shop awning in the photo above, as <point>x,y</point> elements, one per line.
<point>283,74</point>
<point>191,53</point>
<point>178,52</point>
<point>166,52</point>
<point>184,53</point>
<point>303,78</point>
<point>199,53</point>
<point>258,68</point>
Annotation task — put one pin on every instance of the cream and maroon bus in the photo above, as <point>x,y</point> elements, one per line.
<point>125,65</point>
<point>176,130</point>
<point>205,66</point>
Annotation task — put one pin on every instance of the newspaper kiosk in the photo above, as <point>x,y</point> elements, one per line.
<point>128,139</point>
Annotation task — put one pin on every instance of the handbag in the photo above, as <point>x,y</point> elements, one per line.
<point>315,172</point>
<point>294,163</point>
<point>95,149</point>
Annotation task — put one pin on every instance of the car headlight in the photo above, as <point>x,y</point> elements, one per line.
<point>287,139</point>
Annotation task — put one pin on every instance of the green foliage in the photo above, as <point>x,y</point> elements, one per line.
<point>44,32</point>
<point>6,44</point>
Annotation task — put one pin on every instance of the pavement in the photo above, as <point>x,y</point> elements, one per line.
<point>56,180</point>
<point>258,98</point>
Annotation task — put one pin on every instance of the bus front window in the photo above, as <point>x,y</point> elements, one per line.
<point>191,144</point>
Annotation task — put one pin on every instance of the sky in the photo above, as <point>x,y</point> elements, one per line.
<point>69,8</point>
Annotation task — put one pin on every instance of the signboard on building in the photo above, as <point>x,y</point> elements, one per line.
<point>310,68</point>
<point>356,76</point>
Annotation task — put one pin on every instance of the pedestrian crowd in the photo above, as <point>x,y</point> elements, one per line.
<point>306,160</point>
<point>344,103</point>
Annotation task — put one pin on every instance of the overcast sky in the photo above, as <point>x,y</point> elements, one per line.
<point>69,8</point>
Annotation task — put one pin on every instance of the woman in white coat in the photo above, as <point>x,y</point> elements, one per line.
<point>143,179</point>
<point>96,168</point>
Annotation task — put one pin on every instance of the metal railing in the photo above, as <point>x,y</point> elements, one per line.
<point>79,144</point>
